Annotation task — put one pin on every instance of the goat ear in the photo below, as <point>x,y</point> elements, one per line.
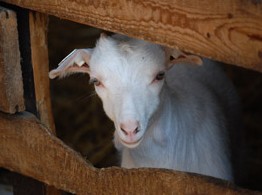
<point>76,62</point>
<point>175,56</point>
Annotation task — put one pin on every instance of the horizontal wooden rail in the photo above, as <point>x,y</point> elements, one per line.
<point>228,31</point>
<point>28,147</point>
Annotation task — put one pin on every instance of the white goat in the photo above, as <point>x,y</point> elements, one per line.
<point>165,117</point>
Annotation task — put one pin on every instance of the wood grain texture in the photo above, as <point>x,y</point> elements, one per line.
<point>228,31</point>
<point>38,24</point>
<point>29,148</point>
<point>11,83</point>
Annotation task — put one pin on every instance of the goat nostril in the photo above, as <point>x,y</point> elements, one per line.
<point>136,130</point>
<point>124,131</point>
<point>130,128</point>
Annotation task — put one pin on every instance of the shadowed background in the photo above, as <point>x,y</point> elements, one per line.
<point>82,124</point>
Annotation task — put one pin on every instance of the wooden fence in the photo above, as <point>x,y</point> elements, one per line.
<point>228,31</point>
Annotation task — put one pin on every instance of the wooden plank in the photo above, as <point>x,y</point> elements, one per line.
<point>29,148</point>
<point>38,24</point>
<point>228,31</point>
<point>11,83</point>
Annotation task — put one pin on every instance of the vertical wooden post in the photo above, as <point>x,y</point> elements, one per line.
<point>38,24</point>
<point>11,83</point>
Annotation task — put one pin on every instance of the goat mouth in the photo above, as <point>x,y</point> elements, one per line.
<point>131,144</point>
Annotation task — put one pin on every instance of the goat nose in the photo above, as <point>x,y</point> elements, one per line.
<point>130,127</point>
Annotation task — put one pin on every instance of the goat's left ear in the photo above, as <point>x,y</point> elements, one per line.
<point>76,62</point>
<point>175,56</point>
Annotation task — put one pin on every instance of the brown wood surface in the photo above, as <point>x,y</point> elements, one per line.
<point>29,148</point>
<point>228,31</point>
<point>38,24</point>
<point>11,83</point>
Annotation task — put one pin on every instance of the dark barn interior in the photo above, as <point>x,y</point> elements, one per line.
<point>82,124</point>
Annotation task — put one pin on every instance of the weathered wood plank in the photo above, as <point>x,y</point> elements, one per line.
<point>228,31</point>
<point>28,147</point>
<point>38,24</point>
<point>11,83</point>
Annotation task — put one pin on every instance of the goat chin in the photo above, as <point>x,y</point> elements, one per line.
<point>131,144</point>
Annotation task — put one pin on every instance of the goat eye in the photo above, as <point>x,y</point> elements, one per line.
<point>95,81</point>
<point>160,76</point>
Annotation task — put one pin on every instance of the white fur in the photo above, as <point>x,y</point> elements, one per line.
<point>183,120</point>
